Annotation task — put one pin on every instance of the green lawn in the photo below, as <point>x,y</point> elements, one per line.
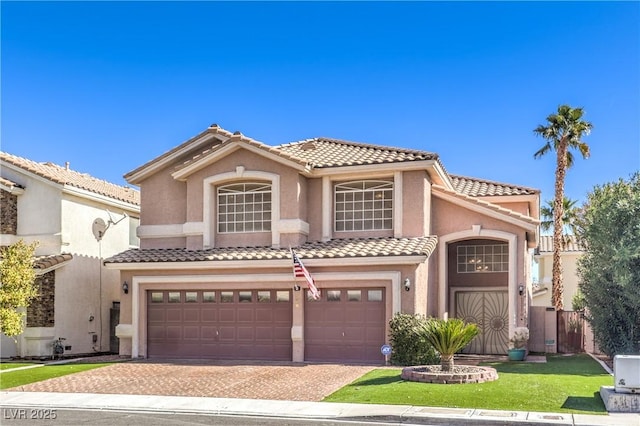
<point>9,365</point>
<point>22,377</point>
<point>569,384</point>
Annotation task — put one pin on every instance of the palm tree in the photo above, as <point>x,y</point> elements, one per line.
<point>448,337</point>
<point>569,218</point>
<point>563,132</point>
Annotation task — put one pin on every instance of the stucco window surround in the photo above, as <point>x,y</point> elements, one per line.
<point>141,284</point>
<point>475,232</point>
<point>210,195</point>
<point>329,200</point>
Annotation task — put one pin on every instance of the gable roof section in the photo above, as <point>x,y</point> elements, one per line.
<point>334,249</point>
<point>486,207</point>
<point>213,135</point>
<point>545,244</point>
<point>64,176</point>
<point>480,187</point>
<point>234,142</point>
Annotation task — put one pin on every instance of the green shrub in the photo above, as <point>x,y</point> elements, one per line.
<point>409,347</point>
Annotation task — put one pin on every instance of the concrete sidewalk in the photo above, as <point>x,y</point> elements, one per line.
<point>298,409</point>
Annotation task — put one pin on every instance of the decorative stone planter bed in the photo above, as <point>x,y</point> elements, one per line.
<point>460,374</point>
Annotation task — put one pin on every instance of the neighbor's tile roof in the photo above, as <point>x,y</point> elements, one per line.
<point>47,261</point>
<point>334,249</point>
<point>8,183</point>
<point>64,176</point>
<point>546,244</point>
<point>327,152</point>
<point>479,187</point>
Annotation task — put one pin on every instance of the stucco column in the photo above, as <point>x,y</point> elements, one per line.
<point>297,326</point>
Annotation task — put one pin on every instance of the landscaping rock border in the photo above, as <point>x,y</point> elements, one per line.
<point>460,374</point>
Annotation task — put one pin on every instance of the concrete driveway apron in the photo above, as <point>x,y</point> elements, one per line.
<point>260,380</point>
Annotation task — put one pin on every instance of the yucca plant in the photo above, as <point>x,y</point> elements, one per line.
<point>448,337</point>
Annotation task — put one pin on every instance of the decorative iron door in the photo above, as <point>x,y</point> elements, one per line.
<point>490,311</point>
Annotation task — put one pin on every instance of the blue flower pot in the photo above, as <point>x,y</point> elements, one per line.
<point>516,354</point>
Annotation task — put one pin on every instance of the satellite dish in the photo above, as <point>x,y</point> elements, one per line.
<point>98,228</point>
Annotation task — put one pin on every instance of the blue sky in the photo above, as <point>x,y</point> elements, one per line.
<point>109,86</point>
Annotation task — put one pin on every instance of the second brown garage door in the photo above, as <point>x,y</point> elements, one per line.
<point>219,324</point>
<point>345,325</point>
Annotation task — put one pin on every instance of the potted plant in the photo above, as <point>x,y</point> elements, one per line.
<point>518,343</point>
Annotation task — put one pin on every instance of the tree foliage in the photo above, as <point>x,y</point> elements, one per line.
<point>563,132</point>
<point>17,285</point>
<point>448,337</point>
<point>610,269</point>
<point>409,347</point>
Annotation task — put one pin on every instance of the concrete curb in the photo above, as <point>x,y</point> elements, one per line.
<point>302,409</point>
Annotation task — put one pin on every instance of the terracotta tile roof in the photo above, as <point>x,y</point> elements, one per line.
<point>487,204</point>
<point>479,187</point>
<point>213,129</point>
<point>235,138</point>
<point>327,152</point>
<point>8,183</point>
<point>334,249</point>
<point>545,244</point>
<point>44,262</point>
<point>64,176</point>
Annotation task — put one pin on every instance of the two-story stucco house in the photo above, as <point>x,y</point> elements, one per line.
<point>57,207</point>
<point>380,229</point>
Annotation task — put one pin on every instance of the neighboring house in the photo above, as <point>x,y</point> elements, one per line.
<point>381,230</point>
<point>544,258</point>
<point>57,207</point>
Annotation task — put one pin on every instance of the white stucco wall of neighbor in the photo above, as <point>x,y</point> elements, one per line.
<point>38,213</point>
<point>60,220</point>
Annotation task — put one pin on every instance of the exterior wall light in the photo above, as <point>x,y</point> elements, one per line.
<point>407,284</point>
<point>520,289</point>
<point>125,287</point>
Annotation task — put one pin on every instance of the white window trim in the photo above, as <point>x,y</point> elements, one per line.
<point>261,191</point>
<point>240,173</point>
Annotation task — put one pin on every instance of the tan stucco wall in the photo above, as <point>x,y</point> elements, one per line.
<point>570,278</point>
<point>163,200</point>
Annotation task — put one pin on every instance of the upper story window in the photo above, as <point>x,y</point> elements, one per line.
<point>483,258</point>
<point>244,207</point>
<point>364,205</point>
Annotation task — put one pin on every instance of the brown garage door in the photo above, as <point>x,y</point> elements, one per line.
<point>219,324</point>
<point>346,325</point>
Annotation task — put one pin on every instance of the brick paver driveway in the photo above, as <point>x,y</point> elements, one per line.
<point>262,380</point>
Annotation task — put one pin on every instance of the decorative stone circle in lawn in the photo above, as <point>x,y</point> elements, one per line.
<point>460,374</point>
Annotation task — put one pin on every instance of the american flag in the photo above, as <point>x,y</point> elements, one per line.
<point>300,271</point>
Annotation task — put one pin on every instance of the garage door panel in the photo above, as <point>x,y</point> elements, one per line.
<point>174,332</point>
<point>245,333</point>
<point>208,332</point>
<point>173,314</point>
<point>351,329</point>
<point>191,332</point>
<point>245,315</point>
<point>264,315</point>
<point>191,315</point>
<point>187,324</point>
<point>227,314</point>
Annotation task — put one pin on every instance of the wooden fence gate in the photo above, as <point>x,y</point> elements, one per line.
<point>571,327</point>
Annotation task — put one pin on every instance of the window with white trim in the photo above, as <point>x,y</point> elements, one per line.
<point>483,258</point>
<point>364,205</point>
<point>244,207</point>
